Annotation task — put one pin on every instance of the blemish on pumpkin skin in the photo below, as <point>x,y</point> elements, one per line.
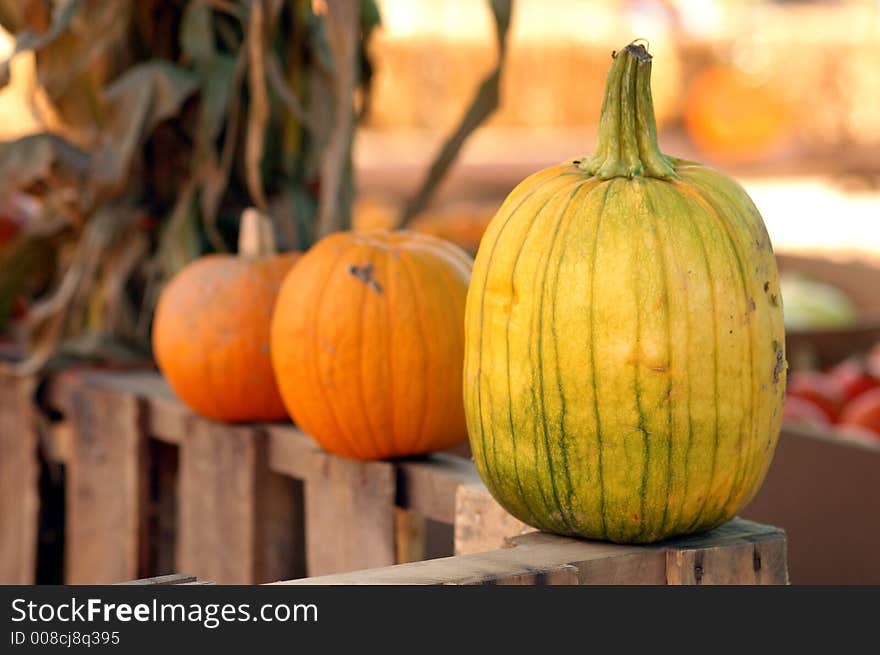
<point>767,286</point>
<point>659,369</point>
<point>780,361</point>
<point>365,274</point>
<point>773,300</point>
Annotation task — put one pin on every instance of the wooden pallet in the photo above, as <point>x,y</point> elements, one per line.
<point>19,471</point>
<point>740,552</point>
<point>152,488</point>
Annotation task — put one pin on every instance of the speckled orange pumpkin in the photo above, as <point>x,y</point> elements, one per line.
<point>211,334</point>
<point>368,343</point>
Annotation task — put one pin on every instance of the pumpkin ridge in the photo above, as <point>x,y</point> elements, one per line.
<point>573,218</point>
<point>592,348</point>
<point>446,251</point>
<point>721,218</point>
<point>740,487</point>
<point>328,400</point>
<point>420,432</point>
<point>389,359</point>
<point>304,419</point>
<point>697,231</point>
<point>757,231</point>
<point>563,446</point>
<point>541,489</point>
<point>637,391</point>
<point>491,474</point>
<point>560,388</point>
<point>662,191</point>
<point>664,275</point>
<point>366,409</point>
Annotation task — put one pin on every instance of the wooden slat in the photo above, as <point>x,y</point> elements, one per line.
<point>58,447</point>
<point>167,417</point>
<point>171,578</point>
<point>281,549</point>
<point>232,515</point>
<point>537,558</point>
<point>564,574</point>
<point>107,489</point>
<point>481,524</point>
<point>163,509</point>
<point>19,473</point>
<point>517,563</point>
<point>349,505</point>
<point>349,516</point>
<point>428,486</point>
<point>410,530</point>
<point>740,552</point>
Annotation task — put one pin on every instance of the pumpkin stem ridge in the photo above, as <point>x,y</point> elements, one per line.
<point>627,139</point>
<point>256,236</point>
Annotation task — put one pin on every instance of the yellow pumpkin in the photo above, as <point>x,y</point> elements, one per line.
<point>624,355</point>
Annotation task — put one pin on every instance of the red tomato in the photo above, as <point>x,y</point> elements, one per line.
<point>801,410</point>
<point>863,412</point>
<point>852,378</point>
<point>818,388</point>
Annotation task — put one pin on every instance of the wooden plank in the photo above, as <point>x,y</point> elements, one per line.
<point>167,415</point>
<point>58,447</point>
<point>294,453</point>
<point>481,524</point>
<point>171,578</point>
<point>538,558</point>
<point>235,524</point>
<point>740,552</point>
<point>824,491</point>
<point>281,549</point>
<point>531,554</point>
<point>564,574</point>
<point>19,480</point>
<point>349,505</point>
<point>427,486</point>
<point>107,491</point>
<point>349,516</point>
<point>163,506</point>
<point>409,536</point>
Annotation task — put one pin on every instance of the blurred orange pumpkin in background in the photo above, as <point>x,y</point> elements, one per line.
<point>733,116</point>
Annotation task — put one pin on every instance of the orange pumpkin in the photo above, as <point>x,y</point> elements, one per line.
<point>368,343</point>
<point>732,116</point>
<point>211,329</point>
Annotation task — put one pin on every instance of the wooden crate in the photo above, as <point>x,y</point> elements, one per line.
<point>153,488</point>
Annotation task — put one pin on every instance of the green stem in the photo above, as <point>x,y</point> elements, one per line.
<point>627,139</point>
